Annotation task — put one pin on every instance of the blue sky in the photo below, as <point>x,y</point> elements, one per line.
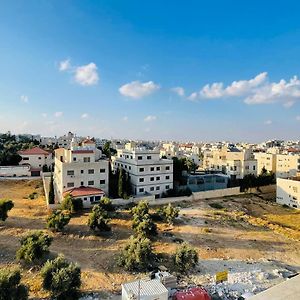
<point>184,70</point>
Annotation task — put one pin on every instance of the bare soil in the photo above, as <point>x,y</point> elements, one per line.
<point>247,228</point>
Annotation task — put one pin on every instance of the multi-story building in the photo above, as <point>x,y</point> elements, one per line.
<point>37,158</point>
<point>287,165</point>
<point>288,192</point>
<point>149,174</point>
<point>265,160</point>
<point>81,171</point>
<point>230,161</point>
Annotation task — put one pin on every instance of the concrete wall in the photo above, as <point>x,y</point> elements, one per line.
<point>14,171</point>
<point>193,197</point>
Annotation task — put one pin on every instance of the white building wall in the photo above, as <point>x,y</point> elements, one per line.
<point>14,171</point>
<point>288,192</point>
<point>37,160</point>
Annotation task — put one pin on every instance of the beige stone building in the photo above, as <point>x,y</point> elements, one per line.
<point>265,160</point>
<point>287,165</point>
<point>288,192</point>
<point>81,170</point>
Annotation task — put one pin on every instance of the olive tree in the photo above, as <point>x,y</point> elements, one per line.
<point>185,258</point>
<point>5,206</point>
<point>58,219</point>
<point>98,219</point>
<point>169,213</point>
<point>61,278</point>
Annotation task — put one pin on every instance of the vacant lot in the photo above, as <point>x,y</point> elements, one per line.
<point>239,228</point>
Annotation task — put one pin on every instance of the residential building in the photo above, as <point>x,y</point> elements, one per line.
<point>265,160</point>
<point>149,174</point>
<point>36,158</point>
<point>287,165</point>
<point>288,191</point>
<point>81,171</point>
<point>230,161</point>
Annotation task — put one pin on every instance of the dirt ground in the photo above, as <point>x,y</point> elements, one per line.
<point>244,228</point>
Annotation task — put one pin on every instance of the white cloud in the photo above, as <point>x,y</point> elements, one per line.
<point>125,119</point>
<point>268,122</point>
<point>44,115</point>
<point>65,65</point>
<point>178,90</point>
<point>84,116</point>
<point>24,98</point>
<point>87,75</point>
<point>58,114</point>
<point>150,118</point>
<point>137,89</point>
<point>257,90</point>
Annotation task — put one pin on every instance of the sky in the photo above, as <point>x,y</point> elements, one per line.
<point>167,70</point>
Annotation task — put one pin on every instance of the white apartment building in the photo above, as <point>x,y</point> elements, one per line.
<point>287,165</point>
<point>36,158</point>
<point>230,161</point>
<point>288,192</point>
<point>149,174</point>
<point>81,171</point>
<point>265,160</point>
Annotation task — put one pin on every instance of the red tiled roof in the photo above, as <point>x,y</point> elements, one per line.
<point>83,191</point>
<point>34,151</point>
<point>82,151</point>
<point>88,141</point>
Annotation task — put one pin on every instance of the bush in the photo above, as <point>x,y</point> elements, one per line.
<point>51,195</point>
<point>98,219</point>
<point>185,258</point>
<point>216,205</point>
<point>106,204</point>
<point>142,223</point>
<point>58,220</point>
<point>32,195</point>
<point>61,278</point>
<point>137,254</point>
<point>5,206</point>
<point>10,287</point>
<point>71,204</point>
<point>168,213</point>
<point>34,246</point>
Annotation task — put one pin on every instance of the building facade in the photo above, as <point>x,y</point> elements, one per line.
<point>265,160</point>
<point>149,174</point>
<point>288,192</point>
<point>79,167</point>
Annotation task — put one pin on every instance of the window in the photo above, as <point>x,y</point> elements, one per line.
<point>131,157</point>
<point>167,187</point>
<point>141,190</point>
<point>149,157</point>
<point>157,188</point>
<point>140,157</point>
<point>91,182</point>
<point>129,168</point>
<point>82,183</point>
<point>141,180</point>
<point>74,158</point>
<point>92,198</point>
<point>142,169</point>
<point>70,184</point>
<point>102,181</point>
<point>97,198</point>
<point>40,158</point>
<point>91,171</point>
<point>167,177</point>
<point>86,159</point>
<point>151,178</point>
<point>102,170</point>
<point>125,166</point>
<point>157,168</point>
<point>157,178</point>
<point>25,158</point>
<point>152,169</point>
<point>81,171</point>
<point>152,188</point>
<point>167,168</point>
<point>70,172</point>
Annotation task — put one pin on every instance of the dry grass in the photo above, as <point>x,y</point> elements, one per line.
<point>244,229</point>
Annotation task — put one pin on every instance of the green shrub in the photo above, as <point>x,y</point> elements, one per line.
<point>142,223</point>
<point>51,195</point>
<point>34,246</point>
<point>106,204</point>
<point>71,204</point>
<point>5,206</point>
<point>10,287</point>
<point>137,254</point>
<point>185,258</point>
<point>168,213</point>
<point>98,219</point>
<point>61,278</point>
<point>216,205</point>
<point>33,195</point>
<point>58,219</point>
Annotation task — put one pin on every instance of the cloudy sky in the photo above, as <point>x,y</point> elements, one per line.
<point>184,70</point>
